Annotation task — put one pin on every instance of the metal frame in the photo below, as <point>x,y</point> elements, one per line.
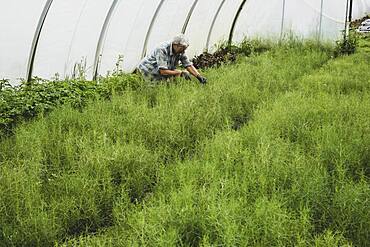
<point>320,22</point>
<point>347,22</point>
<point>213,23</point>
<point>185,26</point>
<point>282,21</point>
<point>350,11</point>
<point>36,38</point>
<point>105,26</point>
<point>101,39</point>
<point>231,33</point>
<point>143,53</point>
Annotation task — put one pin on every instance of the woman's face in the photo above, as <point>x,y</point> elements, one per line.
<point>177,48</point>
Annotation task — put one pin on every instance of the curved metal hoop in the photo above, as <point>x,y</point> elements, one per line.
<point>320,22</point>
<point>185,26</point>
<point>101,39</point>
<point>36,38</point>
<point>282,20</point>
<point>143,53</point>
<point>213,23</point>
<point>231,33</point>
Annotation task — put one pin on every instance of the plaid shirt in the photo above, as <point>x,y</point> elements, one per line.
<point>162,58</point>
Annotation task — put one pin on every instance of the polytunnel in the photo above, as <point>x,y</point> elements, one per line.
<point>54,38</point>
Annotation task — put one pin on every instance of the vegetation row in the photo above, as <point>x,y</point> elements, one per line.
<point>274,151</point>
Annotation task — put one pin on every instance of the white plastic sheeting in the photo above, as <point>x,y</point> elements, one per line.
<point>170,21</point>
<point>259,20</point>
<point>69,37</point>
<point>223,23</point>
<point>332,19</point>
<point>305,22</point>
<point>17,28</point>
<point>199,25</point>
<point>126,34</point>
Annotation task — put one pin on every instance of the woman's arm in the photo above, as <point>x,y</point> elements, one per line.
<point>170,72</point>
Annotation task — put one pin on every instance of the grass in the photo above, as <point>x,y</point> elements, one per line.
<point>274,151</point>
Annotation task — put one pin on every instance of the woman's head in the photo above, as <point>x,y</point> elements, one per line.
<point>180,43</point>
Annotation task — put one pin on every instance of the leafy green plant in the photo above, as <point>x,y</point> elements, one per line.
<point>39,97</point>
<point>347,45</point>
<point>79,70</point>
